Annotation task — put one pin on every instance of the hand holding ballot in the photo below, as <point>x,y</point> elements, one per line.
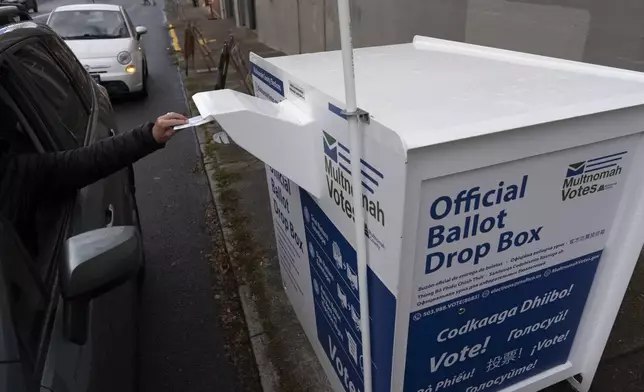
<point>195,122</point>
<point>165,126</point>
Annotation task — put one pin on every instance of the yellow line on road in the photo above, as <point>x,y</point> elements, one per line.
<point>175,39</point>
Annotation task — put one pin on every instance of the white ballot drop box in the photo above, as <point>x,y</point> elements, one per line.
<point>503,202</point>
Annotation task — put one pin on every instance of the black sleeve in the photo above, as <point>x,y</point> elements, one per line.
<point>62,172</point>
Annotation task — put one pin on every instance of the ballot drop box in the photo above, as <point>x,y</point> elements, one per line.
<point>503,202</point>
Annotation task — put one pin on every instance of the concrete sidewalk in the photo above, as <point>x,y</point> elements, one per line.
<point>284,357</point>
<point>238,181</point>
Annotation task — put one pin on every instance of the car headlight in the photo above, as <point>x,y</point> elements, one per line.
<point>124,57</point>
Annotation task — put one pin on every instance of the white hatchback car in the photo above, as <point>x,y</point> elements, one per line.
<point>106,42</point>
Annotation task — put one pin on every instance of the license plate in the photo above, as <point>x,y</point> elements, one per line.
<point>96,77</point>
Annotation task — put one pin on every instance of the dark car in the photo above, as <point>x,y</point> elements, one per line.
<point>11,14</point>
<point>27,4</point>
<point>88,246</point>
<point>17,5</point>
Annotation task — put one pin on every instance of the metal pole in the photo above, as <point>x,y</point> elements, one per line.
<point>355,144</point>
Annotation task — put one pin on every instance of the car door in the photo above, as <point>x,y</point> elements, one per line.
<point>70,113</point>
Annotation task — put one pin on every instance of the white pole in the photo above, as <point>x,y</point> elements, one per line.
<point>355,144</point>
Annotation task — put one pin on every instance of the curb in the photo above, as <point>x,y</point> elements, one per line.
<point>258,339</point>
<point>269,377</point>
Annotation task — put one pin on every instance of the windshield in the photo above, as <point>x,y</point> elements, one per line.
<point>89,24</point>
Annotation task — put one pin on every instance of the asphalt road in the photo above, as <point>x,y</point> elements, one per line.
<point>181,342</point>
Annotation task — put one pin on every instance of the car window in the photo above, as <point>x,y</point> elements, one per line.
<point>14,138</point>
<point>21,135</point>
<point>89,24</point>
<point>81,79</point>
<point>64,111</point>
<point>23,278</point>
<point>6,19</point>
<point>12,18</point>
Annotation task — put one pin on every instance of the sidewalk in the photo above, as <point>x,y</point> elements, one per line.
<point>284,356</point>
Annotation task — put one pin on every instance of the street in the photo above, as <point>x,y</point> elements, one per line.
<point>180,335</point>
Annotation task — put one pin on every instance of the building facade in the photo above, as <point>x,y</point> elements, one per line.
<point>607,32</point>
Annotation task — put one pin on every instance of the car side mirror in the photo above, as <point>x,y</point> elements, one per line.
<point>93,263</point>
<point>140,30</point>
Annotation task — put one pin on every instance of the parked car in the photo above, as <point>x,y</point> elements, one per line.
<point>17,5</point>
<point>27,4</point>
<point>106,42</point>
<point>11,14</point>
<point>65,325</point>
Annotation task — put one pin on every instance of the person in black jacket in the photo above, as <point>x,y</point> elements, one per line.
<point>27,179</point>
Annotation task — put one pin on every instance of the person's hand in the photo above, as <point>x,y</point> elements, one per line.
<point>162,130</point>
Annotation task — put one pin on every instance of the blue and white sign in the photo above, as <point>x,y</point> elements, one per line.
<point>274,83</point>
<point>506,258</point>
<point>499,336</point>
<point>334,278</point>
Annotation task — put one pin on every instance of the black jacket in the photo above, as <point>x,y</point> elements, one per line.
<point>27,179</point>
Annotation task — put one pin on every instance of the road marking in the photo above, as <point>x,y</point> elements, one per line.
<point>175,39</point>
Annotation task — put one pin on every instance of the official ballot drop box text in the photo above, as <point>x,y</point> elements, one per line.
<point>500,191</point>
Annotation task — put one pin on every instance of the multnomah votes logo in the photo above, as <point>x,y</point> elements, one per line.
<point>337,163</point>
<point>340,154</point>
<point>591,176</point>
